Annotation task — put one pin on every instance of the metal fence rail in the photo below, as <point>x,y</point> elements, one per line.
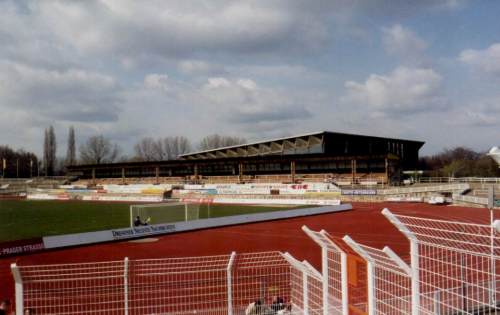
<point>334,272</point>
<point>306,288</point>
<point>454,268</point>
<point>389,280</point>
<point>225,284</point>
<point>424,189</point>
<point>494,180</point>
<point>482,201</point>
<point>456,264</point>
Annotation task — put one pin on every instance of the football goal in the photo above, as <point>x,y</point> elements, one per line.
<point>159,213</point>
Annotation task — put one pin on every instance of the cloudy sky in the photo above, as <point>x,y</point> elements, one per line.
<point>426,70</point>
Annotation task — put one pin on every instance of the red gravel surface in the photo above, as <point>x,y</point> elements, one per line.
<point>364,223</point>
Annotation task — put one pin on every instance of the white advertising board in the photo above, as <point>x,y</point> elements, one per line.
<point>276,201</point>
<point>404,199</point>
<point>140,198</point>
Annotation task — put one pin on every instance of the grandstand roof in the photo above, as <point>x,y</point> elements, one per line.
<point>309,142</point>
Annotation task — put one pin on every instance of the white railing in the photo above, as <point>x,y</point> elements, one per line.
<point>456,264</point>
<point>459,180</point>
<point>334,272</point>
<point>424,189</point>
<point>389,280</point>
<point>482,201</point>
<point>225,284</point>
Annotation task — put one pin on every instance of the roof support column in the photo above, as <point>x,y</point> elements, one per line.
<point>292,170</point>
<point>157,175</point>
<point>240,172</point>
<point>123,175</point>
<point>386,179</point>
<point>195,167</point>
<point>353,171</point>
<point>93,175</point>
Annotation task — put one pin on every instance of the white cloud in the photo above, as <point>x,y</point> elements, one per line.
<point>32,98</point>
<point>247,84</point>
<point>243,101</point>
<point>174,29</point>
<point>226,101</point>
<point>70,95</point>
<point>156,81</point>
<point>487,60</point>
<point>217,82</point>
<point>482,113</point>
<point>164,67</point>
<point>405,90</point>
<point>404,43</point>
<point>200,67</point>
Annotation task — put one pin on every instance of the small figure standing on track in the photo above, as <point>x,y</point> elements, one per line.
<point>138,221</point>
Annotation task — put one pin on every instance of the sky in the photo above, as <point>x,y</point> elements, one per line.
<point>426,70</point>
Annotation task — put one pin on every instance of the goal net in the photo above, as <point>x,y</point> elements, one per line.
<point>159,213</point>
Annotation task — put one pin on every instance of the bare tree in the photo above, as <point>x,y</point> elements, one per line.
<point>98,150</point>
<point>175,146</point>
<point>148,149</point>
<point>71,151</point>
<point>168,148</point>
<point>217,141</point>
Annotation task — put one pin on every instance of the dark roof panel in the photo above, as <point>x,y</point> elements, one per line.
<point>295,142</point>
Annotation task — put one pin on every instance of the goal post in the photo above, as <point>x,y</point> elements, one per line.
<point>159,213</point>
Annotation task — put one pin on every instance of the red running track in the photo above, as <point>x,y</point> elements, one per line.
<point>364,224</point>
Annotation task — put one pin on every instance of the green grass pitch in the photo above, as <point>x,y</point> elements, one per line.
<point>24,219</point>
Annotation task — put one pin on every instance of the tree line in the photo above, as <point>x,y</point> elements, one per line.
<point>459,162</point>
<point>98,149</point>
<point>17,163</point>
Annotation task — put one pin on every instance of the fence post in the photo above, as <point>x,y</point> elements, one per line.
<point>19,289</point>
<point>305,293</point>
<point>125,284</point>
<point>230,284</point>
<point>324,271</point>
<point>415,268</point>
<point>414,259</point>
<point>324,242</point>
<point>491,205</point>
<point>372,306</point>
<point>343,268</point>
<point>437,302</point>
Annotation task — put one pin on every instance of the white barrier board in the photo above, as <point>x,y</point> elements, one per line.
<point>276,201</point>
<point>128,233</point>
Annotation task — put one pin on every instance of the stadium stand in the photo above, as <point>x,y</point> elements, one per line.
<point>362,179</point>
<point>15,186</point>
<point>347,158</point>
